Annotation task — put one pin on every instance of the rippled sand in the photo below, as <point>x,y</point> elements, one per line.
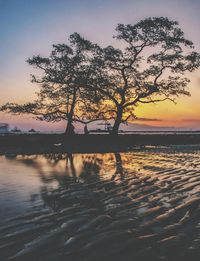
<point>142,205</point>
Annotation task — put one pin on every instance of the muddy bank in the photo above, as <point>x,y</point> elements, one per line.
<point>40,143</point>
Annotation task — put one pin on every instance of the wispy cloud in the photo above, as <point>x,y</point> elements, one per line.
<point>148,119</point>
<point>190,120</point>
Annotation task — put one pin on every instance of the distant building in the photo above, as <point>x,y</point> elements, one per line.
<point>4,128</point>
<point>16,130</point>
<point>32,130</point>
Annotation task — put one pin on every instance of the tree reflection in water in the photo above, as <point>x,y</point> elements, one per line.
<point>58,171</point>
<point>119,167</point>
<point>79,167</point>
<point>130,205</point>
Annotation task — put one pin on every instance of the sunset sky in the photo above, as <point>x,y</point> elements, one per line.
<point>30,27</point>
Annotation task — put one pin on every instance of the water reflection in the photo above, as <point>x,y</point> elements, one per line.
<point>86,167</point>
<point>119,167</point>
<point>39,174</point>
<point>145,204</point>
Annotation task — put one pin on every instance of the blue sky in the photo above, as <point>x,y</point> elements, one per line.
<point>29,27</point>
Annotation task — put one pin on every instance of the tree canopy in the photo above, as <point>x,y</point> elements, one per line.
<point>83,82</point>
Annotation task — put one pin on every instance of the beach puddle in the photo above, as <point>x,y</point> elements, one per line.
<point>139,205</point>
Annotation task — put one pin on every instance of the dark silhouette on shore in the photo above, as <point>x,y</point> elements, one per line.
<point>86,131</point>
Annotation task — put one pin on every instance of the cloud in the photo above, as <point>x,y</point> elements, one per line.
<point>148,119</point>
<point>191,120</point>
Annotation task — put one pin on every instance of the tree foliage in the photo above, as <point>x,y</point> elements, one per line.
<point>60,95</point>
<point>149,68</point>
<point>84,82</point>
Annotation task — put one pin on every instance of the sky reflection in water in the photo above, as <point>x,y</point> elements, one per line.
<point>24,178</point>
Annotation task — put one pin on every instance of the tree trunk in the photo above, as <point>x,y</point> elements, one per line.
<point>117,122</point>
<point>70,128</point>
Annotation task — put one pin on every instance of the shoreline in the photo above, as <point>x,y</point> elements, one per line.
<point>80,143</point>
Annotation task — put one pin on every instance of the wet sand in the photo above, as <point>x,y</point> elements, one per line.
<point>148,208</point>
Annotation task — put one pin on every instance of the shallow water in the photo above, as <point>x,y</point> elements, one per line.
<point>148,196</point>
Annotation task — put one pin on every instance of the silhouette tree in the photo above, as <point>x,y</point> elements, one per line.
<point>84,82</point>
<point>60,96</point>
<point>148,67</point>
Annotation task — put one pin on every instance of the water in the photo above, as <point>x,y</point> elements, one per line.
<point>152,192</point>
<point>20,185</point>
<point>23,178</point>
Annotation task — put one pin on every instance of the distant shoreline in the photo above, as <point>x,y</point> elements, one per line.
<point>103,132</point>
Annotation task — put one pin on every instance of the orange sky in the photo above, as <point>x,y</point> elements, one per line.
<point>185,113</point>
